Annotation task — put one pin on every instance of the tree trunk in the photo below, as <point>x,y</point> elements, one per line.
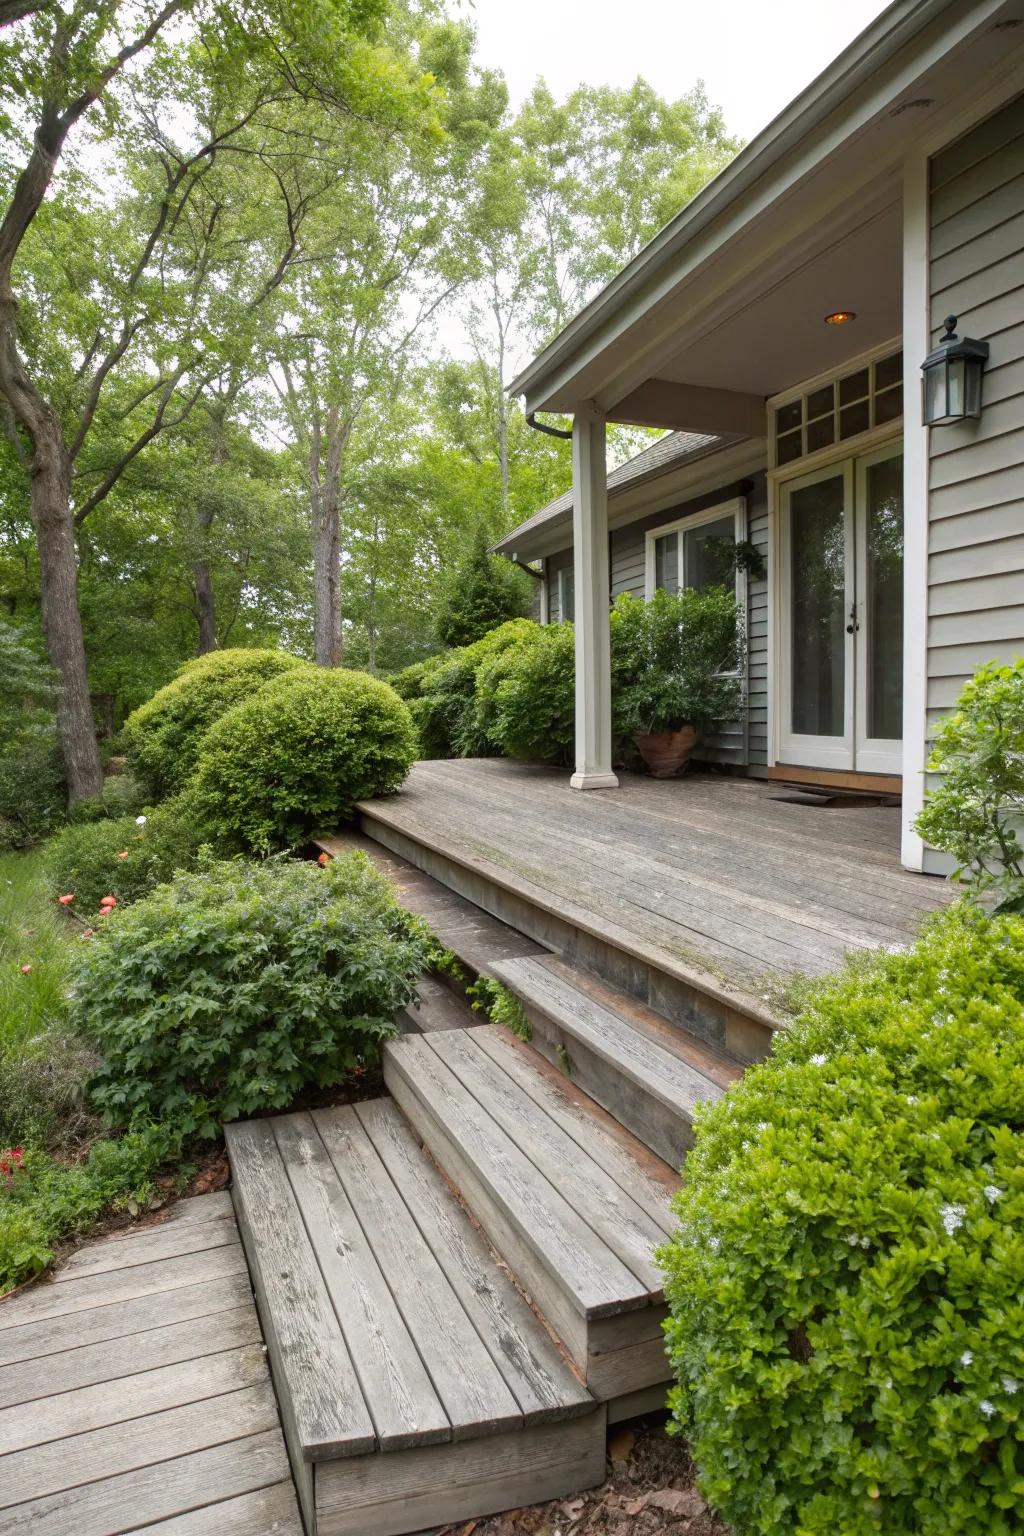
<point>50,503</point>
<point>206,614</point>
<point>325,506</point>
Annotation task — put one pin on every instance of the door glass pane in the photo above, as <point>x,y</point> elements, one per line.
<point>883,607</point>
<point>666,562</point>
<point>708,554</point>
<point>818,565</point>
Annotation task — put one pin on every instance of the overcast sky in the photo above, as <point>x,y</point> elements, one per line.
<point>753,55</point>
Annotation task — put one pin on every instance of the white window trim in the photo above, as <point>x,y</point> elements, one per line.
<point>736,508</point>
<point>832,450</point>
<point>566,573</point>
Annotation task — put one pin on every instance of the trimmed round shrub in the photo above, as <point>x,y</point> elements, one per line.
<point>162,737</point>
<point>525,699</point>
<point>125,858</point>
<point>231,989</point>
<point>445,713</point>
<point>299,754</point>
<point>847,1322</point>
<point>412,681</point>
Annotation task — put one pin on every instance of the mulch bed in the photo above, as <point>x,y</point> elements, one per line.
<point>648,1491</point>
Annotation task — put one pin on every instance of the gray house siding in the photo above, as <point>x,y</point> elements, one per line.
<point>744,741</point>
<point>976,502</point>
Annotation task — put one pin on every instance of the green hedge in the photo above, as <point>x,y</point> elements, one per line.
<point>525,701</point>
<point>233,988</point>
<point>298,755</point>
<point>846,1284</point>
<point>445,712</point>
<point>162,737</point>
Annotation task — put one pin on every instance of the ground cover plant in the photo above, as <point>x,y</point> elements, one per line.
<point>229,990</point>
<point>847,1328</point>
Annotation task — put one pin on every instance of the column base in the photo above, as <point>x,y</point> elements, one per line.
<point>593,781</point>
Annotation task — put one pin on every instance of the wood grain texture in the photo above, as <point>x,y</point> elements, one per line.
<point>473,1391</point>
<point>543,1384</point>
<point>162,1242</point>
<point>265,1512</point>
<point>323,1405</point>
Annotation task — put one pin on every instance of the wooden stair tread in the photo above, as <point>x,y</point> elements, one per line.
<point>438,1007</point>
<point>563,1203</point>
<point>681,1072</point>
<point>362,1221</point>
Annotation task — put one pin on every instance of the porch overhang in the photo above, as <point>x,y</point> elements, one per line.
<point>725,306</point>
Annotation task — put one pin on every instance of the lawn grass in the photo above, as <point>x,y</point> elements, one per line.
<point>32,932</point>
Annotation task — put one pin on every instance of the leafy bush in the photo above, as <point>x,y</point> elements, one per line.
<point>162,737</point>
<point>229,990</point>
<point>845,1286</point>
<point>42,1200</point>
<point>126,858</point>
<point>977,812</point>
<point>32,794</point>
<point>446,714</point>
<point>525,697</point>
<point>299,755</point>
<point>483,592</point>
<point>668,657</point>
<point>120,796</point>
<point>412,681</point>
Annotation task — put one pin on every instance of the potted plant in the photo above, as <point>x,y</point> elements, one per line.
<point>676,663</point>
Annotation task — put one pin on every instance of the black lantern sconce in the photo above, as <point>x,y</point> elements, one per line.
<point>952,378</point>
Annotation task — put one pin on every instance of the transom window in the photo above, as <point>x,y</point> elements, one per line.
<point>697,551</point>
<point>845,407</point>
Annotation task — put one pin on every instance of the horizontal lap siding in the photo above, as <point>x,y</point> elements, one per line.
<point>976,534</point>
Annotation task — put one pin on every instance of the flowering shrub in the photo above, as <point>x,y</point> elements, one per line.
<point>122,859</point>
<point>162,737</point>
<point>299,755</point>
<point>847,1327</point>
<point>977,812</point>
<point>229,990</point>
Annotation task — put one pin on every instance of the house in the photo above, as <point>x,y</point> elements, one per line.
<point>777,327</point>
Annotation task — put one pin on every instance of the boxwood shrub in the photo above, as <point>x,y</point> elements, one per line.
<point>525,699</point>
<point>230,989</point>
<point>846,1284</point>
<point>162,737</point>
<point>445,711</point>
<point>298,755</point>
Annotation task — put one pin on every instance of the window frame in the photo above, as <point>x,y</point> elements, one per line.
<point>839,447</point>
<point>566,573</point>
<point>735,507</point>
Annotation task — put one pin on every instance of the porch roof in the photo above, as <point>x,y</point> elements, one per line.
<point>725,306</point>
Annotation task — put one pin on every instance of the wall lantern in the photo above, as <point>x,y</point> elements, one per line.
<point>952,378</point>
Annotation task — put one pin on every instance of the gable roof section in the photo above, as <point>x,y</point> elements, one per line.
<point>670,452</point>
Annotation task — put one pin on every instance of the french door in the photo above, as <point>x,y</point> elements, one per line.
<point>841,609</point>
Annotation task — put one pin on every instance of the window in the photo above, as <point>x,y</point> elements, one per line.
<point>868,397</point>
<point>567,593</point>
<point>697,551</point>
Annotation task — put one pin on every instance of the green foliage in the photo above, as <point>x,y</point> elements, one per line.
<point>43,1200</point>
<point>298,756</point>
<point>484,592</point>
<point>525,697</point>
<point>231,989</point>
<point>845,1285</point>
<point>493,998</point>
<point>162,738</point>
<point>125,858</point>
<point>32,796</point>
<point>413,681</point>
<point>668,659</point>
<point>977,812</point>
<point>446,712</point>
<point>120,796</point>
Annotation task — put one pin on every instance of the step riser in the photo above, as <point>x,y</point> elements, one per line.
<point>675,1000</point>
<point>667,1134</point>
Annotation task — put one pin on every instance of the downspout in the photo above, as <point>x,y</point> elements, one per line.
<point>542,426</point>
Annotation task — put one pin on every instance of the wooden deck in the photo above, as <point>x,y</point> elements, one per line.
<point>136,1395</point>
<point>740,882</point>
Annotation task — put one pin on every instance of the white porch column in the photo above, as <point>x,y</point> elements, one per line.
<point>593,638</point>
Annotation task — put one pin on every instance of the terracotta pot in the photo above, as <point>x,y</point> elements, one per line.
<point>666,752</point>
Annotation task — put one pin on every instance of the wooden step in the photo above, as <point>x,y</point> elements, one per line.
<point>437,1007</point>
<point>648,1073</point>
<point>417,1387</point>
<point>575,1204</point>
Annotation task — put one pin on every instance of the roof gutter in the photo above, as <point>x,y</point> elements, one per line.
<point>877,43</point>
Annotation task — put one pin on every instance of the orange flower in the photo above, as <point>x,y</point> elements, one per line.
<point>107,903</point>
<point>123,854</point>
<point>65,899</point>
<point>324,859</point>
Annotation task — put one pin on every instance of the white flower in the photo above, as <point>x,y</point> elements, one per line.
<point>911,1098</point>
<point>987,1408</point>
<point>713,1243</point>
<point>852,1239</point>
<point>967,1357</point>
<point>992,1193</point>
<point>1011,1385</point>
<point>818,1060</point>
<point>762,1125</point>
<point>140,821</point>
<point>952,1218</point>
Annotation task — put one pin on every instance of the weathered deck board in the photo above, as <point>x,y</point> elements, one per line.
<point>153,1409</point>
<point>705,872</point>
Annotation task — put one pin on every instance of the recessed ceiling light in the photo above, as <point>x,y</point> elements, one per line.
<point>840,317</point>
<point>918,104</point>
